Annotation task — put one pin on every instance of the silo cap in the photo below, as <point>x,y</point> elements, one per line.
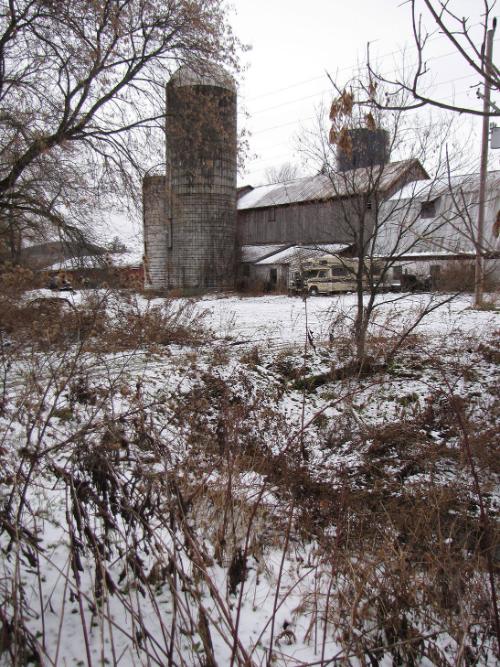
<point>203,74</point>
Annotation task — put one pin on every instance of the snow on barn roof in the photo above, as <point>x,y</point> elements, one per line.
<point>299,253</point>
<point>131,258</point>
<point>253,253</point>
<point>72,263</point>
<point>465,183</point>
<point>328,186</point>
<point>116,259</point>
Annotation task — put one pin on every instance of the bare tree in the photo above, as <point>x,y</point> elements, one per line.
<point>377,206</point>
<point>467,36</point>
<point>81,99</point>
<point>56,198</point>
<point>286,172</point>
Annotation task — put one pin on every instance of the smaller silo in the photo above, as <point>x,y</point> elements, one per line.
<point>365,148</point>
<point>156,229</point>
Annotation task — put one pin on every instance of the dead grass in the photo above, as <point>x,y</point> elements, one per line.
<point>171,322</point>
<point>103,322</point>
<point>46,323</point>
<point>490,350</point>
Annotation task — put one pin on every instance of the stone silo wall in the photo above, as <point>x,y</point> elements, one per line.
<point>201,163</point>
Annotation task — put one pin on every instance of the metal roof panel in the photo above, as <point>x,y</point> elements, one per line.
<point>327,186</point>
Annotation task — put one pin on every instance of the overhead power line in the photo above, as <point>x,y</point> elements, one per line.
<point>354,67</point>
<point>307,118</point>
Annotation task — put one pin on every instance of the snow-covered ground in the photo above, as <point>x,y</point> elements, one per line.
<point>285,319</point>
<point>186,504</point>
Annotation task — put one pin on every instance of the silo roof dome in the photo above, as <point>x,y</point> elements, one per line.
<point>203,74</point>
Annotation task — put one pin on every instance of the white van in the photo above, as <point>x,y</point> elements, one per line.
<point>330,274</point>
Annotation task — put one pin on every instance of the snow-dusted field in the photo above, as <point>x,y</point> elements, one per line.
<point>285,319</point>
<point>237,501</point>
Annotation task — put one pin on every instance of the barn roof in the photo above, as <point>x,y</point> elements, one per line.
<point>435,188</point>
<point>299,253</point>
<point>331,186</point>
<point>254,253</point>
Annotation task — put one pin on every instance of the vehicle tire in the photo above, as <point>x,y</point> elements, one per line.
<point>313,291</point>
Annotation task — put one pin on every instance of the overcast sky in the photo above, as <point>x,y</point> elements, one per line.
<point>295,42</point>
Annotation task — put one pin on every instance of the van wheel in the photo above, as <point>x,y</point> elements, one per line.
<point>313,291</point>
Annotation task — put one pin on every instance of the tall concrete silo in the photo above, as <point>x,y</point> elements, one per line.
<point>201,178</point>
<point>367,148</point>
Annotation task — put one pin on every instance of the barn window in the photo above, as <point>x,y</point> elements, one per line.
<point>428,209</point>
<point>246,270</point>
<point>271,214</point>
<point>397,272</point>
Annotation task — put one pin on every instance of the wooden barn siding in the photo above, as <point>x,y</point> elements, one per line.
<point>311,222</point>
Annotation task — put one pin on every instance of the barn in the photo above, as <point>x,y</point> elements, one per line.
<point>440,222</point>
<point>282,224</point>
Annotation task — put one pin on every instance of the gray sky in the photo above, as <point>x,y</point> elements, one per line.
<point>295,42</point>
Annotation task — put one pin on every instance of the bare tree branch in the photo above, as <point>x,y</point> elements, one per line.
<point>84,81</point>
<point>468,46</point>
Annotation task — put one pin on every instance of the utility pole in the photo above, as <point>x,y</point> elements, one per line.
<point>479,277</point>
